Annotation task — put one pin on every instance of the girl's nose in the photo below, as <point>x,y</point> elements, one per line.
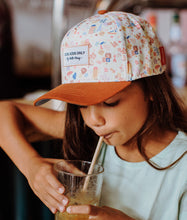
<point>95,116</point>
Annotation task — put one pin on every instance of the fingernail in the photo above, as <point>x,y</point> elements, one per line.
<point>65,201</point>
<point>61,190</point>
<point>68,209</point>
<point>61,208</point>
<point>53,210</point>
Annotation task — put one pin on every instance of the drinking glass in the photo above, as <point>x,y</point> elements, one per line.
<point>80,187</point>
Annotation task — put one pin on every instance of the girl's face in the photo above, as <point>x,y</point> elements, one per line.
<point>120,117</point>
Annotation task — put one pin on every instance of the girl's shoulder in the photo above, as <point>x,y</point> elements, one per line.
<point>181,140</point>
<point>174,151</point>
<point>182,134</point>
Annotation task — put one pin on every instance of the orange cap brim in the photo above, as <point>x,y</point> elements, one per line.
<point>83,93</point>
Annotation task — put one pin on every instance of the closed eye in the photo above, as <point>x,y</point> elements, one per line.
<point>112,104</point>
<point>83,106</point>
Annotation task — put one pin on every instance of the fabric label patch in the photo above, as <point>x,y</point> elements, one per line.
<point>75,55</point>
<point>163,57</point>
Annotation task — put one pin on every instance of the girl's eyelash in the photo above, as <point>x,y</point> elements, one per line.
<point>111,104</point>
<point>82,106</point>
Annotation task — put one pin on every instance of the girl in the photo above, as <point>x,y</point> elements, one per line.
<point>115,83</point>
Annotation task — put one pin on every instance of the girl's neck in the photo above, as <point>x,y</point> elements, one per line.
<point>154,144</point>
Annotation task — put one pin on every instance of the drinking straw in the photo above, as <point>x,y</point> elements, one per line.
<point>90,171</point>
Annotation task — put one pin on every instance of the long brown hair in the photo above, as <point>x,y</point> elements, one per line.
<point>79,140</point>
<point>165,110</point>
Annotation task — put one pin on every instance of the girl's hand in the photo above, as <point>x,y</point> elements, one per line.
<point>98,213</point>
<point>45,185</point>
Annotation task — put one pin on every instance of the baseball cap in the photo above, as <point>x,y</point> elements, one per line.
<point>103,54</point>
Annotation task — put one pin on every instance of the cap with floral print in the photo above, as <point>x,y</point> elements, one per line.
<point>101,55</point>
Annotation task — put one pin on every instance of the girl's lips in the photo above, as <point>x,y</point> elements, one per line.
<point>107,136</point>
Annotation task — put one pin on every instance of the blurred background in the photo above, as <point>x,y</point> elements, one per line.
<point>30,35</point>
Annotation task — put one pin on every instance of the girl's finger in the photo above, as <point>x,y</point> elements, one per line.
<point>83,209</point>
<point>68,167</point>
<point>53,181</point>
<point>48,190</point>
<point>52,203</point>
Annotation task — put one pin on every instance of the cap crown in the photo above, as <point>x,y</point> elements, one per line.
<point>111,47</point>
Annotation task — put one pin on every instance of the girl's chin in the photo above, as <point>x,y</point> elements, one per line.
<point>108,141</point>
<point>111,142</point>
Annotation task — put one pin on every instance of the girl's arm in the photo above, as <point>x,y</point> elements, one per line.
<point>18,122</point>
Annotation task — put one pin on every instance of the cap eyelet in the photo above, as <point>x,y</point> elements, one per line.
<point>101,12</point>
